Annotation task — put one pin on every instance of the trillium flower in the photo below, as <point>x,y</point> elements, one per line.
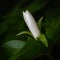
<point>32,25</point>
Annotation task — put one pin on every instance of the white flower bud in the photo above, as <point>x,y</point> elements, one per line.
<point>32,25</point>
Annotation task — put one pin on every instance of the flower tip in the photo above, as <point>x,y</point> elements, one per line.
<point>27,11</point>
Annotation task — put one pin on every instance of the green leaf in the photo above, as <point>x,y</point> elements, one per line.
<point>39,22</point>
<point>24,33</point>
<point>12,47</point>
<point>43,39</point>
<point>32,49</point>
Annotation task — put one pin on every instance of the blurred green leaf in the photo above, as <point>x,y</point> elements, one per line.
<point>12,47</point>
<point>32,49</point>
<point>37,5</point>
<point>52,23</point>
<point>11,25</point>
